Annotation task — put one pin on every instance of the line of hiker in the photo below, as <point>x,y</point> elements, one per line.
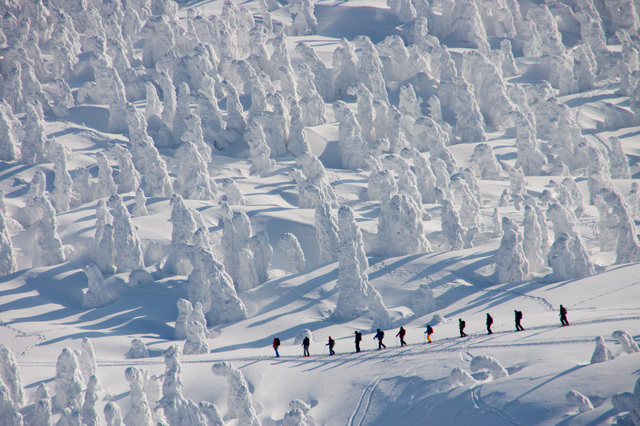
<point>306,342</point>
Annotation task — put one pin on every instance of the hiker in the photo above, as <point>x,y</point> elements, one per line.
<point>276,345</point>
<point>461,325</point>
<point>518,315</point>
<point>331,344</point>
<point>489,322</point>
<point>429,332</point>
<point>380,335</point>
<point>305,345</point>
<point>358,340</point>
<point>402,333</point>
<point>563,316</point>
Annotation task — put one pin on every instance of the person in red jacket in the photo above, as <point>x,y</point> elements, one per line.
<point>276,345</point>
<point>401,334</point>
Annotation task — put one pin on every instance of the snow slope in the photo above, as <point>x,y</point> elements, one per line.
<point>41,308</point>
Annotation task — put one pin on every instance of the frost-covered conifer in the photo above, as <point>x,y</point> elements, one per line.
<point>90,415</point>
<point>496,220</point>
<point>140,206</point>
<point>128,177</point>
<point>395,131</point>
<point>106,185</point>
<point>183,231</point>
<point>400,229</point>
<point>98,293</point>
<point>326,232</point>
<point>492,365</point>
<point>578,400</point>
<point>238,259</point>
<point>239,401</point>
<point>176,408</point>
<point>304,21</point>
<point>193,181</point>
<point>159,39</point>
<point>233,193</point>
<point>466,23</point>
<point>112,414</point>
<point>353,148</point>
<point>69,383</point>
<point>511,262</point>
<point>262,252</point>
<point>184,313</point>
<point>309,98</point>
<point>12,87</point>
<point>365,114</point>
<point>626,341</point>
<point>356,295</point>
<point>423,300</point>
<point>469,204</point>
<point>8,263</point>
<point>619,164</point>
<point>370,68</point>
<point>137,350</point>
<point>439,168</point>
<point>32,150</point>
<point>434,139</point>
<point>321,76</point>
<point>345,68</point>
<point>48,248</point>
<point>8,145</point>
<point>61,195</point>
<point>196,339</point>
<point>532,240</point>
<point>42,415</point>
<point>484,162</point>
<point>569,259</point>
<point>509,68</point>
<point>460,377</point>
<point>87,359</point>
<point>617,226</point>
<point>403,10</point>
<point>489,89</point>
<point>140,412</point>
<point>296,261</point>
<point>127,243</point>
<point>81,192</point>
<point>297,142</point>
<point>275,125</point>
<point>10,376</point>
<point>259,151</point>
<point>601,353</point>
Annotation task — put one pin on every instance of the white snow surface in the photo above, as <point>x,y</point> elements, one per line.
<point>42,315</point>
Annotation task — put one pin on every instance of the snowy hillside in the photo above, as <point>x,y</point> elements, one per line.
<point>182,183</point>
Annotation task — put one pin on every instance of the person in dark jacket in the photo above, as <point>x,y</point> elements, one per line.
<point>380,335</point>
<point>429,332</point>
<point>331,344</point>
<point>358,340</point>
<point>489,322</point>
<point>305,344</point>
<point>461,326</point>
<point>276,345</point>
<point>563,316</point>
<point>518,315</point>
<point>401,334</point>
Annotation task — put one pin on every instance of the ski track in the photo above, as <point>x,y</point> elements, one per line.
<point>476,397</point>
<point>20,333</point>
<point>367,393</point>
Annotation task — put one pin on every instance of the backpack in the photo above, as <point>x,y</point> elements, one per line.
<point>381,335</point>
<point>276,341</point>
<point>462,324</point>
<point>305,342</point>
<point>429,330</point>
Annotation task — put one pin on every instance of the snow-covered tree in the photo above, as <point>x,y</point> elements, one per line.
<point>8,264</point>
<point>106,185</point>
<point>326,232</point>
<point>90,415</point>
<point>128,246</point>
<point>193,181</point>
<point>233,193</point>
<point>69,381</point>
<point>128,177</point>
<point>617,226</point>
<point>578,400</point>
<point>140,206</point>
<point>423,300</point>
<point>296,261</point>
<point>532,240</point>
<point>98,294</point>
<point>238,259</point>
<point>141,411</point>
<point>196,338</point>
<point>484,162</point>
<point>239,400</point>
<point>48,248</point>
<point>8,143</point>
<point>452,228</point>
<point>490,364</point>
<point>601,352</point>
<point>569,258</point>
<point>32,149</point>
<point>87,358</point>
<point>11,377</point>
<point>626,341</point>
<point>356,294</point>
<point>137,350</point>
<point>112,414</point>
<point>400,229</point>
<point>511,262</point>
<point>185,308</point>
